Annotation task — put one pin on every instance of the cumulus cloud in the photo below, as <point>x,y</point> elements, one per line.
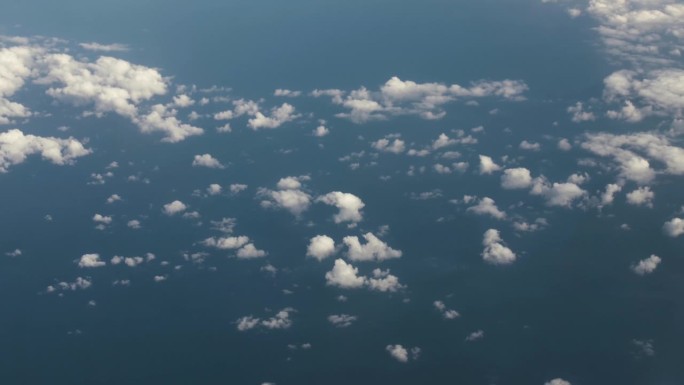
<point>557,381</point>
<point>383,281</point>
<point>495,252</point>
<point>15,147</point>
<point>674,227</point>
<point>174,208</point>
<point>91,260</point>
<point>647,266</point>
<point>446,313</point>
<point>281,320</point>
<point>345,276</point>
<point>643,196</point>
<point>115,47</point>
<point>321,247</point>
<point>557,194</point>
<point>398,97</point>
<point>579,114</point>
<point>373,250</point>
<point>474,336</point>
<point>206,160</point>
<point>516,178</point>
<point>401,354</point>
<point>629,152</point>
<point>487,165</point>
<point>342,320</point>
<point>386,145</point>
<point>487,206</point>
<point>350,206</point>
<point>249,251</point>
<point>280,115</point>
<point>608,196</point>
<point>289,196</point>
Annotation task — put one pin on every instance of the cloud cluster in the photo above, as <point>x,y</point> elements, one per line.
<point>281,320</point>
<point>350,206</point>
<point>495,252</point>
<point>399,97</point>
<point>15,147</point>
<point>289,196</point>
<point>401,354</point>
<point>346,276</point>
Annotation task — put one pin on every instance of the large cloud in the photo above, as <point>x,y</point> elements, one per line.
<point>15,147</point>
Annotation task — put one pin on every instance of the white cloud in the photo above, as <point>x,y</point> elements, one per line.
<point>487,206</point>
<point>529,146</point>
<point>342,320</point>
<point>446,313</point>
<point>174,208</point>
<point>398,97</point>
<point>102,219</point>
<point>113,198</point>
<point>133,224</point>
<point>321,247</point>
<point>579,114</point>
<point>487,165</point>
<point>14,253</point>
<point>236,188</point>
<point>647,266</point>
<point>206,160</point>
<point>288,196</point>
<point>373,249</point>
<point>249,251</point>
<point>385,145</point>
<point>674,227</point>
<point>384,281</point>
<point>516,178</point>
<point>564,145</point>
<point>608,196</point>
<point>214,189</point>
<point>280,115</point>
<point>226,243</point>
<point>643,196</point>
<point>286,93</point>
<point>495,252</point>
<point>115,47</point>
<point>557,194</point>
<point>344,275</point>
<point>442,141</point>
<point>398,352</point>
<point>557,381</point>
<point>15,147</point>
<point>91,260</point>
<point>350,206</point>
<point>281,320</point>
<point>474,336</point>
<point>321,131</point>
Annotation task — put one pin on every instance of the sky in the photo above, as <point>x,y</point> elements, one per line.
<point>342,192</point>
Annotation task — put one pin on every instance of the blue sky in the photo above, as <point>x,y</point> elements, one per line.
<point>298,192</point>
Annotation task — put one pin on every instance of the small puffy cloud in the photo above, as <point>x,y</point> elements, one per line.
<point>557,381</point>
<point>397,146</point>
<point>579,114</point>
<point>557,194</point>
<point>345,276</point>
<point>15,147</point>
<point>91,260</point>
<point>643,196</point>
<point>516,178</point>
<point>487,165</point>
<point>286,93</point>
<point>182,101</point>
<point>529,146</point>
<point>113,198</point>
<point>401,354</point>
<point>674,227</point>
<point>442,141</point>
<point>373,249</point>
<point>487,206</point>
<point>349,205</point>
<point>281,320</point>
<point>236,188</point>
<point>564,145</point>
<point>495,252</point>
<point>289,196</point>
<point>446,313</point>
<point>383,281</point>
<point>133,224</point>
<point>226,243</point>
<point>321,131</point>
<point>249,251</point>
<point>608,196</point>
<point>279,116</point>
<point>342,320</point>
<point>14,253</point>
<point>214,189</point>
<point>102,219</point>
<point>474,336</point>
<point>174,208</point>
<point>321,247</point>
<point>206,160</point>
<point>647,266</point>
